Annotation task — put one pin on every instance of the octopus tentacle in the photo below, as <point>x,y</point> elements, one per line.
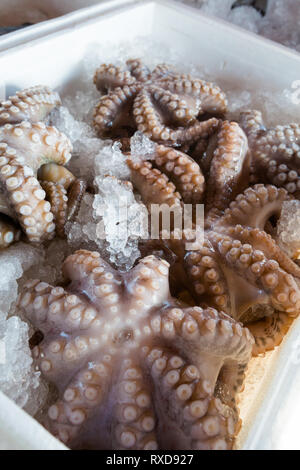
<point>208,283</point>
<point>162,72</point>
<point>132,416</point>
<point>167,363</point>
<point>203,421</point>
<point>57,196</point>
<point>269,332</point>
<point>33,104</point>
<point>149,121</point>
<point>63,191</point>
<point>32,145</point>
<point>57,174</point>
<point>108,77</point>
<point>178,110</point>
<point>40,143</point>
<point>183,171</point>
<point>48,306</point>
<point>86,391</point>
<point>8,234</point>
<point>149,282</point>
<point>229,166</point>
<point>211,99</point>
<point>254,207</point>
<point>101,283</point>
<point>275,152</point>
<point>24,147</point>
<point>271,284</point>
<point>112,112</point>
<point>75,194</point>
<point>26,196</point>
<point>251,121</point>
<point>138,70</point>
<point>154,186</point>
<point>208,331</point>
<point>162,104</point>
<point>264,242</point>
<point>240,269</point>
<point>135,417</point>
<point>276,147</point>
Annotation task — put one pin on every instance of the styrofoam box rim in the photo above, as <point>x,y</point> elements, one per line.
<point>202,38</point>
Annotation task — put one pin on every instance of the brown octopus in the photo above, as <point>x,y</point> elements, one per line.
<point>240,269</point>
<point>275,152</point>
<point>173,177</point>
<point>225,161</point>
<point>25,146</point>
<point>162,104</point>
<point>134,367</point>
<point>64,192</point>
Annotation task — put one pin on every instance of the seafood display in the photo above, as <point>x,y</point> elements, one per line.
<point>151,355</point>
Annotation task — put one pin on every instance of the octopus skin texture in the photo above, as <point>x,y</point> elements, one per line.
<point>135,368</point>
<point>24,147</point>
<point>213,179</point>
<point>239,269</point>
<point>162,104</point>
<point>64,192</point>
<point>275,152</point>
<point>32,104</point>
<point>183,171</point>
<point>226,165</point>
<point>171,177</point>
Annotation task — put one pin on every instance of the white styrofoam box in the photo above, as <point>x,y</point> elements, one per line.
<point>55,58</point>
<point>19,431</point>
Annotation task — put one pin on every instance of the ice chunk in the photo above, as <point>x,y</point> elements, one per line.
<point>13,261</point>
<point>246,17</point>
<point>123,221</point>
<point>288,228</point>
<point>141,147</point>
<point>91,155</point>
<point>75,129</point>
<point>82,104</point>
<point>110,161</point>
<point>86,145</point>
<point>282,22</point>
<point>111,221</point>
<point>219,8</point>
<point>17,377</point>
<point>82,232</point>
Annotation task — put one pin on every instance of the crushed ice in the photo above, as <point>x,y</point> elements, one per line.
<point>280,22</point>
<point>288,228</point>
<point>17,378</point>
